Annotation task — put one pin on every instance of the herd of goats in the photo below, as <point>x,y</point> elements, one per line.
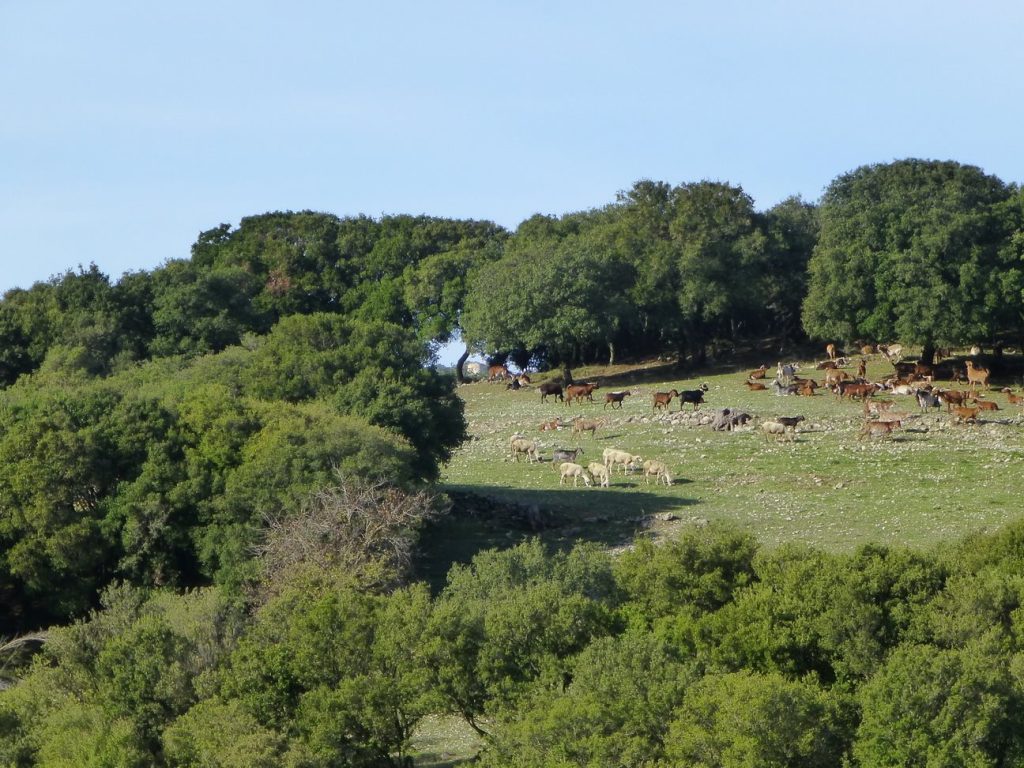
<point>880,416</point>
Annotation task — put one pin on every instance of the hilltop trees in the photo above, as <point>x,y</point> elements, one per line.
<point>686,268</point>
<point>917,251</point>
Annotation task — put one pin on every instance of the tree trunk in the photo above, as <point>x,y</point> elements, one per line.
<point>460,377</point>
<point>928,353</point>
<point>611,353</point>
<point>566,374</point>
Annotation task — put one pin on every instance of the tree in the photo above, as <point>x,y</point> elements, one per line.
<point>792,229</point>
<point>511,619</point>
<point>746,720</point>
<point>554,292</point>
<point>374,371</point>
<point>615,711</point>
<point>929,706</point>
<point>911,250</point>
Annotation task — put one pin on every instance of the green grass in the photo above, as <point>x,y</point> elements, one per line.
<point>933,482</point>
<point>444,741</point>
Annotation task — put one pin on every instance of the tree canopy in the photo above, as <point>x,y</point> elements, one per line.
<point>917,251</point>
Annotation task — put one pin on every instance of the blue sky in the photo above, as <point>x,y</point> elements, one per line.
<point>128,128</point>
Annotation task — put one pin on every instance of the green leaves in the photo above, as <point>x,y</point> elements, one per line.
<point>902,253</point>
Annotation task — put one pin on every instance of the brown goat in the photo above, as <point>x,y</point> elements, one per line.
<point>962,415</point>
<point>882,428</point>
<point>579,391</point>
<point>977,376</point>
<point>662,399</point>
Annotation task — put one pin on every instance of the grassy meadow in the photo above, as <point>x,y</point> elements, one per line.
<point>932,482</point>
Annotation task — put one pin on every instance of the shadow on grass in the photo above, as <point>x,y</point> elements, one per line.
<point>487,517</point>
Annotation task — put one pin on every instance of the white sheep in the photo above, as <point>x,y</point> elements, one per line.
<point>600,473</point>
<point>660,471</point>
<point>575,471</point>
<point>773,429</point>
<point>522,445</point>
<point>612,457</point>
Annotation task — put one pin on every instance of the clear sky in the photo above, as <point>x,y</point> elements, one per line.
<point>128,128</point>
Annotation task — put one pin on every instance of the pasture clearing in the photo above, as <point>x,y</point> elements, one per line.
<point>931,482</point>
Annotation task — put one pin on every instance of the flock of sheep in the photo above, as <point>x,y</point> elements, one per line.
<point>595,473</point>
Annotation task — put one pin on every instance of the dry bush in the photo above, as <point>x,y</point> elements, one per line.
<point>362,529</point>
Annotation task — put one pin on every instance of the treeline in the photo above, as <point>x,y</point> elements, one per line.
<point>926,253</point>
<point>922,252</point>
<point>706,651</point>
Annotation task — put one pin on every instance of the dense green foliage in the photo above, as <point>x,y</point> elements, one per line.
<point>706,651</point>
<point>152,427</point>
<point>214,473</point>
<point>679,268</point>
<point>926,253</point>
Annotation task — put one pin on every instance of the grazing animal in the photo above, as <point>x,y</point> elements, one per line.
<point>579,391</point>
<point>726,420</point>
<point>892,352</point>
<point>615,397</point>
<point>830,350</point>
<point>854,390</point>
<point>773,429</point>
<point>903,389</point>
<point>575,471</point>
<point>862,369</point>
<point>551,426</point>
<point>755,386</point>
<point>964,415</point>
<point>926,399</point>
<point>880,428</point>
<point>662,399</point>
<point>833,376</point>
<point>520,445</point>
<point>579,426</point>
<point>790,422</point>
<point>758,373</point>
<point>985,405</point>
<point>695,396</point>
<point>600,473</point>
<point>550,388</point>
<point>564,454</point>
<point>781,389</point>
<point>952,398</point>
<point>657,469</point>
<point>867,350</point>
<point>786,372</point>
<point>498,373</point>
<point>806,388</point>
<point>613,457</point>
<point>1012,398</point>
<point>977,376</point>
<point>876,407</point>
